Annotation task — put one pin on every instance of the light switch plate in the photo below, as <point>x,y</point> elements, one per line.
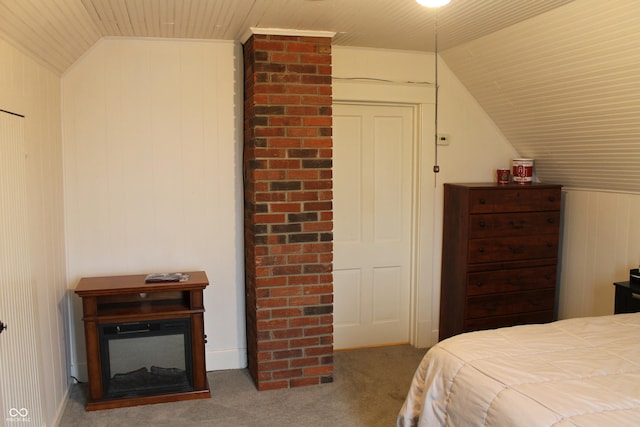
<point>443,139</point>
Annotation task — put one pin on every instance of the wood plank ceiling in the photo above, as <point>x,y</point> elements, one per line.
<point>564,89</point>
<point>60,31</point>
<point>558,77</point>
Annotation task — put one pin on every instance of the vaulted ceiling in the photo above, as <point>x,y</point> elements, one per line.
<point>60,31</point>
<point>558,77</point>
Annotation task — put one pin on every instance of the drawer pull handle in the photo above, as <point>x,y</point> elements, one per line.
<point>534,302</point>
<point>481,250</point>
<point>517,226</point>
<point>490,306</point>
<point>517,282</point>
<point>547,276</point>
<point>479,284</point>
<point>549,245</point>
<point>552,198</point>
<point>516,249</point>
<point>483,202</point>
<point>551,220</point>
<point>482,224</point>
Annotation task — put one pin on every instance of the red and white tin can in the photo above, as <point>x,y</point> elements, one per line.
<point>522,171</point>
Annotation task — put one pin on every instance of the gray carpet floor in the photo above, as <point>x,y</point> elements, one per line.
<point>368,390</point>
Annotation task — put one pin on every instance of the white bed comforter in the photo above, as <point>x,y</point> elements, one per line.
<point>575,372</point>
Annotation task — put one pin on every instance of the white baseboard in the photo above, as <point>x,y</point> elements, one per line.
<point>63,405</point>
<point>218,360</point>
<point>425,335</point>
<point>79,371</point>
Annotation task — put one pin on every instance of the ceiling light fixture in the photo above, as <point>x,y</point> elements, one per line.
<point>433,3</point>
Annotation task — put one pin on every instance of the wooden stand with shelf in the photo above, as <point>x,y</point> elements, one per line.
<point>114,299</point>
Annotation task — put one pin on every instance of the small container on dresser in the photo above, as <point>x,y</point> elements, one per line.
<point>499,255</point>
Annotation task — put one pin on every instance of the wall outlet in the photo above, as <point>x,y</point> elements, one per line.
<point>443,139</point>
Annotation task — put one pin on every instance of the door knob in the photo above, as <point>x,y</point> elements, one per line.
<point>2,326</point>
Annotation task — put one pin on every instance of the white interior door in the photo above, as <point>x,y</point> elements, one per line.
<point>372,169</point>
<point>19,386</point>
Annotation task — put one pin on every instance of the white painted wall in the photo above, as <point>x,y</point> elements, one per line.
<point>476,150</point>
<point>153,174</point>
<point>30,89</point>
<point>601,243</point>
<point>601,231</point>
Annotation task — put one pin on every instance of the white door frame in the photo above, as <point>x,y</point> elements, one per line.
<point>421,98</point>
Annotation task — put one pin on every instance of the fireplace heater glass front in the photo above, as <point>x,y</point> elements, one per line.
<point>146,358</point>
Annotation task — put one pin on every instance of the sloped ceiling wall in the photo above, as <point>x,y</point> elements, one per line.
<point>558,77</point>
<point>564,88</point>
<point>58,32</point>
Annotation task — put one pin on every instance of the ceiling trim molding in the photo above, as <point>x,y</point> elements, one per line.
<point>284,32</point>
<point>380,91</point>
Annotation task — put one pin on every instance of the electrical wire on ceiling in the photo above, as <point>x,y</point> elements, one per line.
<point>436,167</point>
<point>434,4</point>
<point>374,79</point>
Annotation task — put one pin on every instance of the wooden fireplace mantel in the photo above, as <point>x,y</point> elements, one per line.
<point>112,299</point>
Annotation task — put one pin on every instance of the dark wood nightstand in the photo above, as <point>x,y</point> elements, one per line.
<point>627,297</point>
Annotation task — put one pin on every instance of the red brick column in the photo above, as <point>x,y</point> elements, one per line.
<point>288,210</point>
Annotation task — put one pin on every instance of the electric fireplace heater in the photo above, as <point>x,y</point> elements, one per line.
<point>146,357</point>
<point>145,341</point>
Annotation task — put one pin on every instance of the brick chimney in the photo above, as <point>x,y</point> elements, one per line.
<point>288,219</point>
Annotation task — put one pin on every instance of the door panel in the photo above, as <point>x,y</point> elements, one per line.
<point>373,147</point>
<point>20,402</point>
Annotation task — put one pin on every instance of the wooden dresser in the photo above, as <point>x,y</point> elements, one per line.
<point>499,255</point>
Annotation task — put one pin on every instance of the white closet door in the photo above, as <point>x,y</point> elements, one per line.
<point>19,378</point>
<point>372,224</point>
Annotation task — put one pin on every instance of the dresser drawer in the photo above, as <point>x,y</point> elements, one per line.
<point>513,224</point>
<point>514,200</point>
<point>510,303</point>
<point>524,279</point>
<point>513,248</point>
<point>511,320</point>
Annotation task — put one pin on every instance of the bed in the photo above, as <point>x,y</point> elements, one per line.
<point>575,372</point>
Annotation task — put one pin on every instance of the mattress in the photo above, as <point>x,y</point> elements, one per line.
<point>575,372</point>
